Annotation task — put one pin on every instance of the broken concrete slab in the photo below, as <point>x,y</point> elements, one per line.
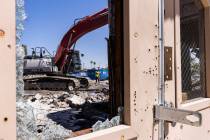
<point>75,100</point>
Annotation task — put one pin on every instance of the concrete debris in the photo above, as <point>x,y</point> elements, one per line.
<point>101,86</point>
<point>38,96</point>
<point>52,131</point>
<point>40,117</point>
<point>26,127</point>
<point>75,100</point>
<point>99,125</point>
<point>58,113</point>
<point>97,97</point>
<point>46,128</point>
<point>60,99</point>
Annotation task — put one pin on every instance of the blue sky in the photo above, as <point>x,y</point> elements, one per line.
<point>49,20</point>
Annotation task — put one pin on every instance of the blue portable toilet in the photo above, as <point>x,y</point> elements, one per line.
<point>104,74</point>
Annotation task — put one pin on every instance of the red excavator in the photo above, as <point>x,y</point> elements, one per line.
<point>85,25</point>
<point>43,71</point>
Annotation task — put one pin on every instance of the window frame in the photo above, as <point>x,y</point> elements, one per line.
<point>201,103</point>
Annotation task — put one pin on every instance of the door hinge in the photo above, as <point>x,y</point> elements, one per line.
<point>168,63</point>
<point>174,115</point>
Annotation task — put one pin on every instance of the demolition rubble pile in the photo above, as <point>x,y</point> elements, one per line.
<point>71,111</point>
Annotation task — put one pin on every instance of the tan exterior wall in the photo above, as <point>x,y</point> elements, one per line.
<point>7,71</point>
<point>141,66</point>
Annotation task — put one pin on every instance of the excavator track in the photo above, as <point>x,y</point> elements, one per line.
<point>53,82</point>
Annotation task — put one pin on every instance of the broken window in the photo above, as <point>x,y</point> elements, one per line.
<point>64,99</point>
<point>192,49</point>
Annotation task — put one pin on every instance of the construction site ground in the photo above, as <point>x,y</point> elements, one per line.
<point>72,110</point>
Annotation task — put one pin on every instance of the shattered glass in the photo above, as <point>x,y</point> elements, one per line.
<point>20,18</point>
<point>19,72</point>
<point>52,131</point>
<point>26,126</point>
<point>99,125</point>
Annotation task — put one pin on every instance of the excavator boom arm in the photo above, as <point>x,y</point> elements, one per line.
<point>84,26</point>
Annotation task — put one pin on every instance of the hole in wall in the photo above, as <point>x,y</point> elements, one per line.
<point>5,119</point>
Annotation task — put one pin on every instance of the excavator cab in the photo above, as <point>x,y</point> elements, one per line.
<point>39,62</point>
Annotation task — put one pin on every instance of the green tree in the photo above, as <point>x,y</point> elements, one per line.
<point>91,63</point>
<point>94,63</point>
